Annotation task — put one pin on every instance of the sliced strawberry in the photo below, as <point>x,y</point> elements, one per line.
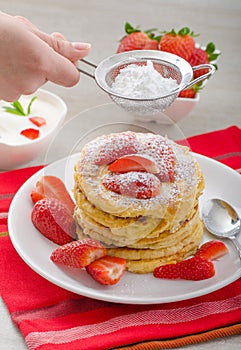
<point>116,146</point>
<point>36,196</point>
<point>52,219</point>
<point>38,121</point>
<point>212,250</point>
<point>195,269</point>
<point>50,186</point>
<point>30,133</point>
<point>107,270</point>
<point>78,253</point>
<point>133,184</point>
<point>134,162</point>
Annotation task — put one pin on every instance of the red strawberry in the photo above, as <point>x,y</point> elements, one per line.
<point>134,162</point>
<point>188,93</point>
<point>38,121</point>
<point>181,43</point>
<point>78,253</point>
<point>107,270</point>
<point>201,56</point>
<point>116,146</point>
<point>50,186</point>
<point>191,92</point>
<point>195,269</point>
<point>52,219</point>
<point>133,184</point>
<point>137,40</point>
<point>212,250</point>
<point>30,133</point>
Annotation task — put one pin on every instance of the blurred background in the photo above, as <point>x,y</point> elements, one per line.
<point>102,24</point>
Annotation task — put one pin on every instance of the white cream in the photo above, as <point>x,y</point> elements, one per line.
<point>46,105</point>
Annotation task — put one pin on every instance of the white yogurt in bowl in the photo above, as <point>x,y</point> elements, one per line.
<point>16,149</point>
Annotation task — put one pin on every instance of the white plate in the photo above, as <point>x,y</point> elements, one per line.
<point>35,249</point>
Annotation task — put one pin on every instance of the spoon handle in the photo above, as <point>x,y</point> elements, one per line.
<point>237,245</point>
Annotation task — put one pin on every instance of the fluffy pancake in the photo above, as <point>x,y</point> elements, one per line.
<point>147,232</point>
<point>146,254</point>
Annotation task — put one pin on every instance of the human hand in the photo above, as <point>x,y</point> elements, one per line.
<point>30,57</point>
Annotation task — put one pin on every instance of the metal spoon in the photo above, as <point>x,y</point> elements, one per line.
<point>222,220</point>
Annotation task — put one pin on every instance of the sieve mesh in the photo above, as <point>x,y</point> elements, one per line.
<point>165,63</point>
<point>150,106</point>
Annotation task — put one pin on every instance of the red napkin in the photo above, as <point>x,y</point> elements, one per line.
<point>51,318</point>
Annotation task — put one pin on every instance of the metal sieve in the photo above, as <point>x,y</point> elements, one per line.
<point>167,64</point>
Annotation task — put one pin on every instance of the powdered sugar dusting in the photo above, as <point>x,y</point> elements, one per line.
<point>166,153</point>
<point>133,184</point>
<point>142,81</point>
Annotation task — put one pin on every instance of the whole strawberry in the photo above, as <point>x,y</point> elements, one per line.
<point>52,219</point>
<point>137,40</point>
<point>181,43</point>
<point>191,92</point>
<point>202,56</point>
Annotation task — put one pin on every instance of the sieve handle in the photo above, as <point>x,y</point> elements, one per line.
<point>83,71</point>
<point>211,69</point>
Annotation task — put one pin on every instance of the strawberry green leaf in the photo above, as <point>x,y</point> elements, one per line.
<point>210,48</point>
<point>129,29</point>
<point>11,110</point>
<point>18,107</point>
<point>30,104</point>
<point>213,57</point>
<point>184,31</point>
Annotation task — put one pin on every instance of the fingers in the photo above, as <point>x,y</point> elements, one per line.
<point>61,71</point>
<point>72,51</point>
<point>58,63</point>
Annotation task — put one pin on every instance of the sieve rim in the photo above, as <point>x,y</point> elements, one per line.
<point>116,60</point>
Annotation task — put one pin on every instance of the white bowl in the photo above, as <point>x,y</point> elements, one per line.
<point>177,111</point>
<point>181,108</point>
<point>15,149</point>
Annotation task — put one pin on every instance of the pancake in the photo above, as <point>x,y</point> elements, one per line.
<point>164,227</point>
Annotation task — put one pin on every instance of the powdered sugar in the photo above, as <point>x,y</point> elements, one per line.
<point>142,81</point>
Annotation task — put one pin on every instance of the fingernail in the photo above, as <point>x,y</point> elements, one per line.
<point>81,46</point>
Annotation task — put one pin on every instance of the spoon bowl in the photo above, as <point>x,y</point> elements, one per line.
<point>222,220</point>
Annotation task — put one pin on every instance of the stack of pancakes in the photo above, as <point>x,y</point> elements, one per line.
<point>147,232</point>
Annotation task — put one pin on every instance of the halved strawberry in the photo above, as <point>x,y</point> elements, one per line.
<point>133,184</point>
<point>78,253</point>
<point>116,146</point>
<point>195,269</point>
<point>107,270</point>
<point>52,219</point>
<point>38,121</point>
<point>30,133</point>
<point>212,250</point>
<point>50,186</point>
<point>134,162</point>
